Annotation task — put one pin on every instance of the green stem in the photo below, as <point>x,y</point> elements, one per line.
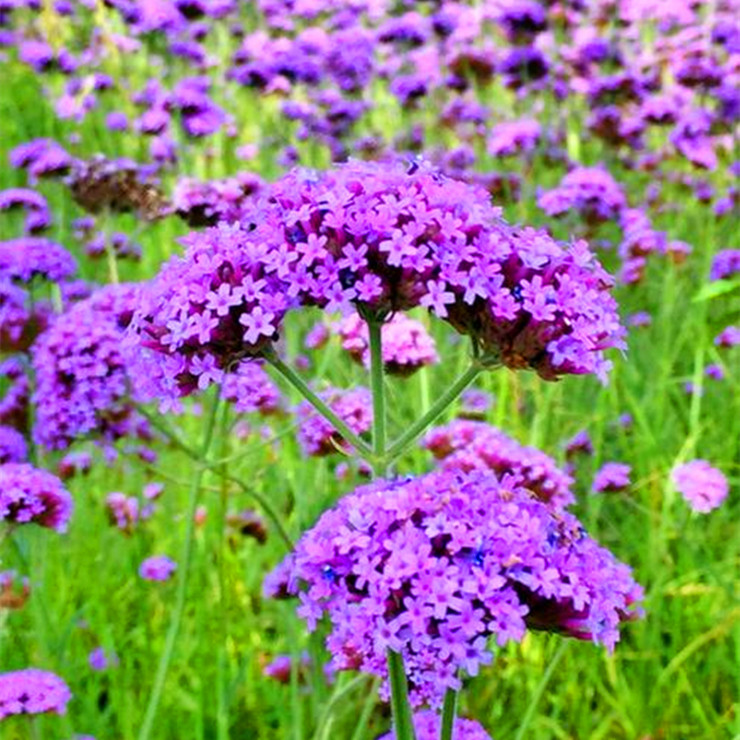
<point>377,384</point>
<point>402,721</point>
<point>418,428</point>
<point>292,377</point>
<point>182,585</point>
<point>448,714</point>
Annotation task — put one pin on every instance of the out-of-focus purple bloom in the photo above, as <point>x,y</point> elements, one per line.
<point>13,447</point>
<point>714,371</point>
<point>406,344</point>
<point>704,487</point>
<point>427,726</point>
<point>207,203</point>
<point>475,404</point>
<point>514,137</point>
<point>250,389</point>
<point>27,257</point>
<point>100,660</point>
<point>591,192</point>
<point>728,337</point>
<point>317,436</point>
<point>157,568</point>
<point>41,158</point>
<point>38,216</point>
<point>725,264</point>
<point>612,477</point>
<point>640,319</point>
<point>432,567</point>
<point>474,445</point>
<point>73,464</point>
<point>317,336</point>
<point>124,511</point>
<point>579,443</point>
<point>30,495</point>
<point>32,691</point>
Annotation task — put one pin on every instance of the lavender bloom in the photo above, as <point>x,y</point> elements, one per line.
<point>317,437</point>
<point>591,192</point>
<point>703,486</point>
<point>32,691</point>
<point>579,443</point>
<point>207,203</point>
<point>27,257</point>
<point>474,445</point>
<point>406,344</point>
<point>157,568</point>
<point>82,379</point>
<point>14,590</point>
<point>514,137</point>
<point>475,404</point>
<point>100,660</point>
<point>728,337</point>
<point>725,264</point>
<point>73,464</point>
<point>427,726</point>
<point>13,447</point>
<point>124,511</point>
<point>41,158</point>
<point>29,495</point>
<point>34,204</point>
<point>611,477</point>
<point>432,567</point>
<point>250,389</point>
<point>382,239</point>
<point>14,404</point>
<point>317,336</point>
<point>714,371</point>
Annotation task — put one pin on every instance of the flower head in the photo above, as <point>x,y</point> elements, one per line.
<point>157,568</point>
<point>28,494</point>
<point>427,725</point>
<point>32,691</point>
<point>704,487</point>
<point>612,476</point>
<point>431,567</point>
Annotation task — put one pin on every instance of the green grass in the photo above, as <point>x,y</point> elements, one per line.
<point>675,674</point>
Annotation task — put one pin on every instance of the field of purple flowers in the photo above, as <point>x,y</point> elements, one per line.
<point>369,369</point>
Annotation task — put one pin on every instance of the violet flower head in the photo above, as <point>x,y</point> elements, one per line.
<point>703,486</point>
<point>725,264</point>
<point>30,495</point>
<point>13,447</point>
<point>38,216</point>
<point>100,660</point>
<point>157,568</point>
<point>514,137</point>
<point>591,192</point>
<point>82,378</point>
<point>27,257</point>
<point>317,437</point>
<point>32,691</point>
<point>406,344</point>
<point>579,443</point>
<point>612,477</point>
<point>434,566</point>
<point>41,158</point>
<point>251,390</point>
<point>428,724</point>
<point>728,337</point>
<point>475,404</point>
<point>475,445</point>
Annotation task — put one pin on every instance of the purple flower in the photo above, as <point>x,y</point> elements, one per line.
<point>427,725</point>
<point>317,437</point>
<point>100,660</point>
<point>514,137</point>
<point>28,257</point>
<point>157,568</point>
<point>434,566</point>
<point>32,691</point>
<point>41,158</point>
<point>725,264</point>
<point>406,344</point>
<point>31,495</point>
<point>82,378</point>
<point>38,216</point>
<point>475,445</point>
<point>250,389</point>
<point>591,192</point>
<point>728,337</point>
<point>13,447</point>
<point>714,371</point>
<point>703,486</point>
<point>579,443</point>
<point>475,404</point>
<point>611,477</point>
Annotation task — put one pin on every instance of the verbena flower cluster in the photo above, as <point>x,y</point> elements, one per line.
<point>28,257</point>
<point>30,495</point>
<point>428,724</point>
<point>82,380</point>
<point>381,238</point>
<point>474,445</point>
<point>250,389</point>
<point>703,486</point>
<point>157,568</point>
<point>434,566</point>
<point>406,344</point>
<point>32,691</point>
<point>317,437</point>
<point>13,447</point>
<point>611,477</point>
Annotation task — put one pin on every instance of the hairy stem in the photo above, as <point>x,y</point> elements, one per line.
<point>183,578</point>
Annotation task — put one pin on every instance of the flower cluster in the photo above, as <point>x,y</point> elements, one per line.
<point>157,568</point>
<point>13,447</point>
<point>474,445</point>
<point>431,567</point>
<point>82,380</point>
<point>475,404</point>
<point>382,238</point>
<point>406,344</point>
<point>427,726</point>
<point>27,257</point>
<point>250,389</point>
<point>207,203</point>
<point>38,216</point>
<point>590,192</point>
<point>514,137</point>
<point>32,691</point>
<point>703,486</point>
<point>611,477</point>
<point>31,495</point>
<point>317,437</point>
<point>725,264</point>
